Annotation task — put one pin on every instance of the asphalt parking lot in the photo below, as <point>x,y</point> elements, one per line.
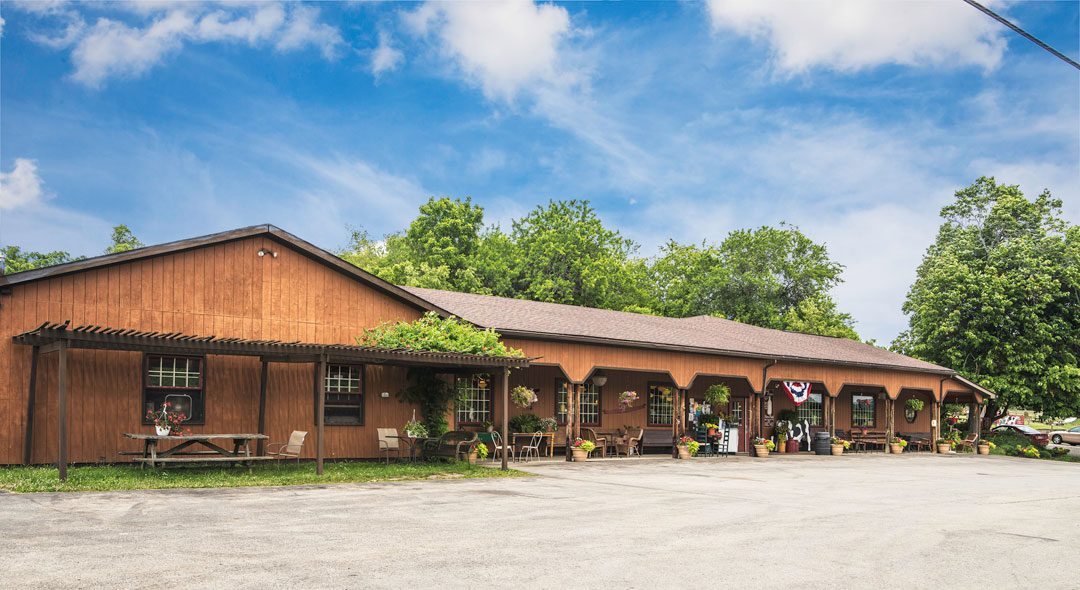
<point>911,521</point>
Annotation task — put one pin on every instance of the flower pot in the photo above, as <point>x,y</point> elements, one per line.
<point>472,458</point>
<point>792,446</point>
<point>761,450</point>
<point>684,452</point>
<point>895,448</point>
<point>163,430</point>
<point>837,449</point>
<point>712,432</point>
<point>984,449</point>
<point>580,455</point>
<point>943,449</point>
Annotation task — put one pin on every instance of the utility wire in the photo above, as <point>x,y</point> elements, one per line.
<point>1023,33</point>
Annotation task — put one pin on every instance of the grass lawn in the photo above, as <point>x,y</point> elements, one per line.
<point>129,477</point>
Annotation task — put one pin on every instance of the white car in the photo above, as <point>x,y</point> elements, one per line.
<point>1070,436</point>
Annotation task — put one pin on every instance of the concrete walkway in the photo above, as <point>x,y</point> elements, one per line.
<point>878,521</point>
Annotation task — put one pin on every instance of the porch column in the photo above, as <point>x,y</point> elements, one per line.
<point>505,413</point>
<point>890,416</point>
<point>31,395</point>
<point>570,392</point>
<point>62,425</point>
<point>832,416</point>
<point>578,390</point>
<point>935,421</point>
<point>973,418</point>
<point>676,417</point>
<point>260,447</point>
<point>320,413</point>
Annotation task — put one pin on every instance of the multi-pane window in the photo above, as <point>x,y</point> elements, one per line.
<point>661,404</point>
<point>344,394</point>
<point>811,410</point>
<point>178,381</point>
<point>736,413</point>
<point>590,405</point>
<point>562,389</point>
<point>862,411</point>
<point>473,399</point>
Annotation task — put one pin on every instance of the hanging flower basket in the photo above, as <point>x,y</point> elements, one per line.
<point>627,399</point>
<point>523,397</point>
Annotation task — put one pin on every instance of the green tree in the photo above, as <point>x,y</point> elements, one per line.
<point>17,260</point>
<point>997,298</point>
<point>446,233</point>
<point>769,277</point>
<point>564,254</point>
<point>123,240</point>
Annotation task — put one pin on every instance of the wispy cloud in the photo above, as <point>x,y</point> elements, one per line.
<point>385,57</point>
<point>22,186</point>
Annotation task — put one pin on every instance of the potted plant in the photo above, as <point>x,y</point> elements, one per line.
<point>781,430</point>
<point>522,396</point>
<point>914,406</point>
<point>896,445</point>
<point>717,396</point>
<point>943,446</point>
<point>985,446</point>
<point>415,429</point>
<point>489,426</point>
<point>166,422</point>
<point>762,446</point>
<point>479,452</point>
<point>711,428</point>
<point>840,445</point>
<point>627,399</point>
<point>688,447</point>
<point>548,424</point>
<point>581,449</point>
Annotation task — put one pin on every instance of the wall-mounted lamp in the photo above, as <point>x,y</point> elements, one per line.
<point>599,379</point>
<point>263,252</point>
<point>384,394</point>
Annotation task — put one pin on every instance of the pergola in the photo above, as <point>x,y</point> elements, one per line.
<point>59,338</point>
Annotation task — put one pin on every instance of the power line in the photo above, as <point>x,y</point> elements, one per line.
<point>1023,33</point>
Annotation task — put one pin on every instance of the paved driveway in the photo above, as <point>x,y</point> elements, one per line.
<point>913,521</point>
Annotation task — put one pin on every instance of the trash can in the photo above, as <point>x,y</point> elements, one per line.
<point>822,443</point>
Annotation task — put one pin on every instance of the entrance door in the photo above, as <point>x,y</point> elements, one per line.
<point>737,414</point>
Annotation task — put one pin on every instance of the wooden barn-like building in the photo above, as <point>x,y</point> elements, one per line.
<point>256,331</point>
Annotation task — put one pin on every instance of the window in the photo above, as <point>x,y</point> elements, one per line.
<point>661,404</point>
<point>736,412</point>
<point>811,410</point>
<point>590,405</point>
<point>561,389</point>
<point>344,394</point>
<point>862,411</point>
<point>473,399</point>
<point>177,380</point>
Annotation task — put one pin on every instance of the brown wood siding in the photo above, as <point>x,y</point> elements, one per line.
<point>224,290</point>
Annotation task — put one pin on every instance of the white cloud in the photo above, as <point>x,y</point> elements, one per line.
<point>118,47</point>
<point>22,186</point>
<point>385,57</point>
<point>850,35</point>
<point>501,47</point>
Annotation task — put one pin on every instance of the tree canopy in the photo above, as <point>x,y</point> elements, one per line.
<point>437,334</point>
<point>19,260</point>
<point>561,252</point>
<point>997,298</point>
<point>123,240</point>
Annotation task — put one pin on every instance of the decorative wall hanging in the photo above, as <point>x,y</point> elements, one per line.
<point>798,391</point>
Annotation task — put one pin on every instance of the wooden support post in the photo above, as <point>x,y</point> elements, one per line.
<point>676,417</point>
<point>62,425</point>
<point>31,400</point>
<point>260,447</point>
<point>578,390</point>
<point>570,387</point>
<point>889,420</point>
<point>505,413</point>
<point>935,430</point>
<point>320,416</point>
<point>832,416</point>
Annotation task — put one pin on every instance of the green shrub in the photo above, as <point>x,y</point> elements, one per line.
<point>437,334</point>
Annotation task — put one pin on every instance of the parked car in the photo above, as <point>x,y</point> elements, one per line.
<point>1070,436</point>
<point>1037,438</point>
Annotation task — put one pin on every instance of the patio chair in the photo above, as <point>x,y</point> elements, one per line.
<point>288,450</point>
<point>498,446</point>
<point>968,442</point>
<point>631,443</point>
<point>532,448</point>
<point>389,442</point>
<point>599,441</point>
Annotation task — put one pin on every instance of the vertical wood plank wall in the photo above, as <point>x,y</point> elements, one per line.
<point>224,290</point>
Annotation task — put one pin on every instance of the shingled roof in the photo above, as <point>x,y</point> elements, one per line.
<point>707,334</point>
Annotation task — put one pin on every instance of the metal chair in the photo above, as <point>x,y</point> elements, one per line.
<point>288,450</point>
<point>498,446</point>
<point>723,439</point>
<point>388,442</point>
<point>532,448</point>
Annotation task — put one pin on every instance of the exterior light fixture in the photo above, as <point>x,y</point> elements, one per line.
<point>263,252</point>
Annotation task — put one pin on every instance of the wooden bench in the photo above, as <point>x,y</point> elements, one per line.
<point>657,439</point>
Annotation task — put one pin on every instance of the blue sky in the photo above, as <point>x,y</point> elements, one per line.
<point>854,120</point>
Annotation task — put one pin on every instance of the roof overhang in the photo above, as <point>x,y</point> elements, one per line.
<point>49,335</point>
<point>976,386</point>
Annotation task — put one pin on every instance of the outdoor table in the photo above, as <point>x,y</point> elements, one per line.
<point>547,437</point>
<point>413,444</point>
<point>182,453</point>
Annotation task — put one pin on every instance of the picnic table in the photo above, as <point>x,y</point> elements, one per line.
<point>184,453</point>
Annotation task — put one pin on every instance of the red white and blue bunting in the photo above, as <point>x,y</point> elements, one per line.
<point>798,391</point>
